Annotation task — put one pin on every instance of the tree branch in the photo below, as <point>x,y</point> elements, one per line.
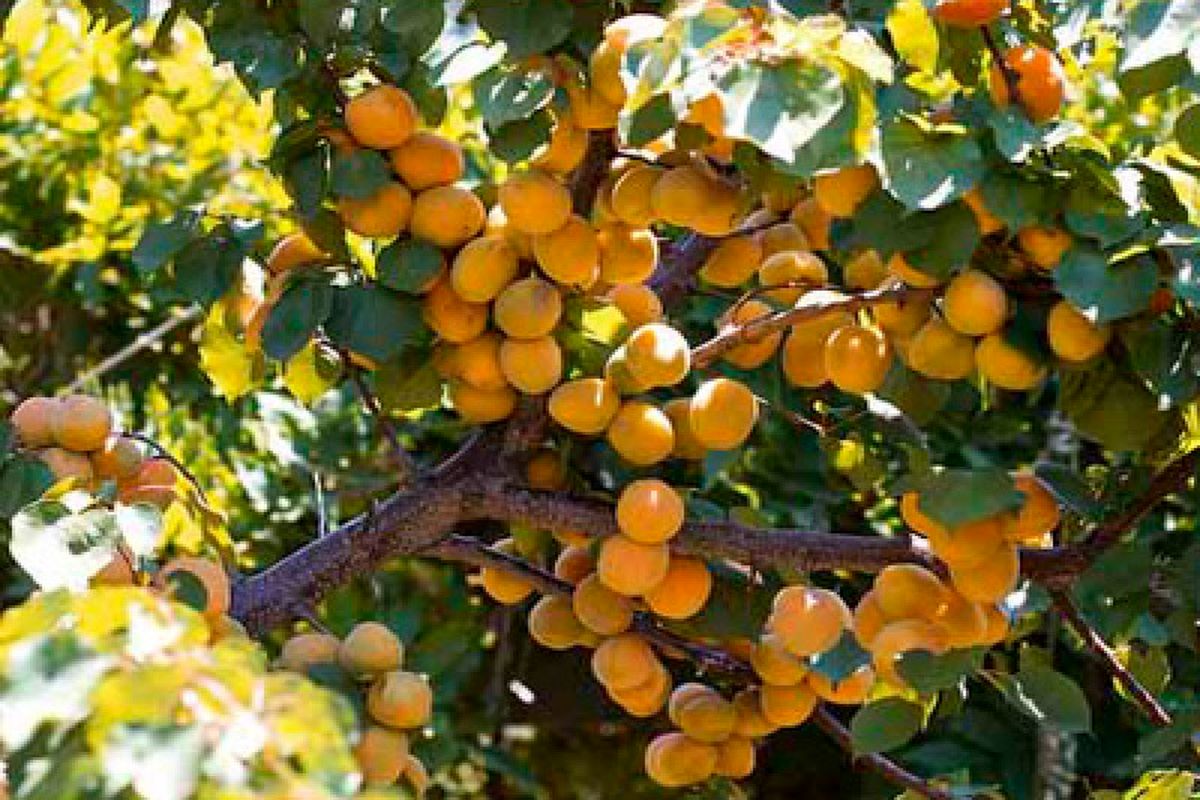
<point>1095,642</point>
<point>591,172</point>
<point>675,275</point>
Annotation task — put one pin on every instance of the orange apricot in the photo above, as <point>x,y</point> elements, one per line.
<point>682,593</point>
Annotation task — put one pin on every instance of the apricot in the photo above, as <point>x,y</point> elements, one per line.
<point>450,316</point>
<point>787,706</point>
<point>574,563</point>
<point>1006,366</point>
<point>534,202</point>
<point>306,650</point>
<point>839,193</point>
<point>864,270</point>
<point>446,216</point>
<point>814,221</point>
<point>900,637</point>
<point>64,464</point>
<point>481,406</point>
<point>975,303</point>
<point>617,373</point>
<point>788,267</point>
<point>1073,337</point>
<point>477,362</point>
<point>908,590</point>
<point>600,609</point>
<point>803,357</point>
<point>624,661</point>
<point>751,723</point>
<point>570,254</point>
<point>117,572</point>
<point>808,620</point>
<point>783,237</point>
<point>970,544</point>
<point>1045,245</point>
<point>735,758</point>
<point>382,215</point>
<point>916,519</point>
<point>657,355</point>
<point>497,224</point>
<point>733,262</point>
<point>426,160</point>
<point>649,511</point>
<point>585,405</point>
<point>590,109</point>
<point>997,625</point>
<point>503,586</point>
<point>154,483</point>
<point>775,664</point>
<point>370,648</point>
<point>641,434</point>
<point>382,117</point>
<point>988,222</point>
<point>969,13</point>
<point>631,568</point>
<point>705,716</point>
<point>400,699</point>
<point>675,760</point>
<point>899,268</point>
<point>381,753</point>
<point>755,352</point>
<point>80,423</point>
<point>901,318</point>
<point>868,620</point>
<point>532,366</point>
<point>683,592</point>
<point>553,624</point>
<point>565,149</point>
<point>528,308</point>
<point>631,194</point>
<point>849,691</point>
<point>722,414</point>
<point>627,254</point>
<point>938,351</point>
<point>120,459</point>
<point>965,622</point>
<point>1039,514</point>
<point>857,358</point>
<point>637,303</point>
<point>647,699</point>
<point>709,113</point>
<point>483,268</point>
<point>209,574</point>
<point>1041,84</point>
<point>687,446</point>
<point>687,197</point>
<point>989,581</point>
<point>415,775</point>
<point>33,420</point>
<point>545,471</point>
<point>293,250</point>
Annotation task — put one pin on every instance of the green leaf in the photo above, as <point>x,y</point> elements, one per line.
<point>1165,356</point>
<point>929,673</point>
<point>1187,130</point>
<point>1094,211</point>
<point>160,241</point>
<point>1158,34</point>
<point>358,173</point>
<point>416,25</point>
<point>226,360</point>
<point>654,118</point>
<point>306,178</point>
<point>517,140</point>
<point>374,322</point>
<point>408,265</point>
<point>408,384</point>
<point>506,95</point>
<point>186,588</point>
<point>840,661</point>
<point>206,268</point>
<point>953,236</point>
<point>1103,291</point>
<point>1049,697</point>
<point>326,230</point>
<point>955,497</point>
<point>920,398</point>
<point>59,549</point>
<point>22,480</point>
<point>780,107</point>
<point>293,320</point>
<point>526,26</point>
<point>929,167</point>
<point>1015,199</point>
<point>885,725</point>
<point>262,58</point>
<point>1070,488</point>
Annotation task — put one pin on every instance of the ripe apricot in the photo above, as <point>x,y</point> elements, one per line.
<point>814,221</point>
<point>1039,514</point>
<point>477,362</point>
<point>382,215</point>
<point>481,406</point>
<point>755,352</point>
<point>370,648</point>
<point>624,661</point>
<point>641,433</point>
<point>33,420</point>
<point>1073,337</point>
<point>574,563</point>
<point>683,592</point>
<point>965,622</point>
<point>617,372</point>
<point>657,355</point>
<point>532,366</point>
<point>783,237</point>
<point>708,112</point>
<point>868,620</point>
<point>637,303</point>
<point>483,268</point>
<point>446,216</point>
<point>989,581</point>
<point>705,716</point>
<point>903,317</point>
<point>1006,366</point>
<point>209,574</point>
<point>787,706</point>
<point>382,117</point>
<point>400,699</point>
<point>900,637</point>
<point>864,270</point>
<point>840,192</point>
<point>733,262</point>
<point>997,625</point>
<point>450,316</point>
<point>306,650</point>
<point>687,197</point>
<point>426,159</point>
<point>120,459</point>
<point>914,518</point>
<point>969,13</point>
<point>687,446</point>
<point>585,405</point>
<point>381,754</point>
<point>675,760</point>
<point>81,423</point>
<point>1041,84</point>
<point>857,358</point>
<point>792,267</point>
<point>600,609</point>
<point>631,568</point>
<point>849,691</point>
<point>646,699</point>
<point>908,590</point>
<point>566,147</point>
<point>528,308</point>
<point>534,202</point>
<point>649,511</point>
<point>750,723</point>
<point>627,254</point>
<point>1045,245</point>
<point>775,664</point>
<point>975,303</point>
<point>723,414</point>
<point>988,222</point>
<point>808,620</point>
<point>570,254</point>
<point>971,543</point>
<point>154,483</point>
<point>938,351</point>
<point>803,356</point>
<point>502,586</point>
<point>497,223</point>
<point>899,267</point>
<point>631,193</point>
<point>293,250</point>
<point>590,109</point>
<point>735,758</point>
<point>553,624</point>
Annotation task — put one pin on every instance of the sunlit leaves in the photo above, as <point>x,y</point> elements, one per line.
<point>59,548</point>
<point>914,35</point>
<point>1049,697</point>
<point>885,725</point>
<point>780,107</point>
<point>506,95</point>
<point>929,166</point>
<point>229,364</point>
<point>525,26</point>
<point>1106,291</point>
<point>1158,37</point>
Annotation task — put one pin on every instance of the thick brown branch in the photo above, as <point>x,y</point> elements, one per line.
<point>675,275</point>
<point>592,171</point>
<point>1095,642</point>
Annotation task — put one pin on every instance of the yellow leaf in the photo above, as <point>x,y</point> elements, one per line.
<point>309,374</point>
<point>227,361</point>
<point>914,34</point>
<point>603,324</point>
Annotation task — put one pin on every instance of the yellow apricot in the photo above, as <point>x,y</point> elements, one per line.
<point>450,316</point>
<point>306,650</point>
<point>965,622</point>
<point>382,215</point>
<point>865,270</point>
<point>705,716</point>
<point>849,691</point>
<point>646,699</point>
<point>898,267</point>
<point>119,459</point>
<point>480,406</point>
<point>535,202</point>
<point>649,511</point>
<point>686,196</point>
<point>631,568</point>
<point>792,267</point>
<point>988,222</point>
<point>381,753</point>
<point>900,637</point>
<point>970,544</point>
<point>566,147</point>
<point>154,483</point>
<point>814,221</point>
<point>991,580</point>
<point>590,109</point>
<point>808,620</point>
<point>684,590</point>
<point>687,446</point>
<point>657,355</point>
<point>908,590</point>
<point>585,405</point>
<point>570,254</point>
<point>483,268</point>
<point>574,563</point>
<point>869,619</point>
<point>784,237</point>
<point>674,760</point>
<point>708,112</point>
<point>528,308</point>
<point>750,723</point>
<point>501,585</point>
<point>209,574</point>
<point>997,625</point>
<point>553,624</point>
<point>641,434</point>
<point>857,358</point>
<point>787,706</point>
<point>370,648</point>
<point>775,664</point>
<point>917,520</point>
<point>532,366</point>
<point>617,372</point>
<point>382,117</point>
<point>1039,514</point>
<point>733,262</point>
<point>938,351</point>
<point>735,758</point>
<point>426,159</point>
<point>803,356</point>
<point>600,609</point>
<point>627,254</point>
<point>447,216</point>
<point>33,420</point>
<point>400,699</point>
<point>723,414</point>
<point>81,423</point>
<point>1045,246</point>
<point>637,303</point>
<point>624,661</point>
<point>901,318</point>
<point>293,250</point>
<point>631,193</point>
<point>497,224</point>
<point>1007,366</point>
<point>975,303</point>
<point>478,362</point>
<point>1073,337</point>
<point>840,192</point>
<point>756,352</point>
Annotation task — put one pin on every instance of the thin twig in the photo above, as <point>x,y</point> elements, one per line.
<point>1095,642</point>
<point>166,455</point>
<point>147,339</point>
<point>1011,79</point>
<point>404,460</point>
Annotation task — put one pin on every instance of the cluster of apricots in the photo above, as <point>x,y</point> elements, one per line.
<point>397,701</point>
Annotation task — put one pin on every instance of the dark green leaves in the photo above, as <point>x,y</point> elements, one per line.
<point>1187,130</point>
<point>840,662</point>
<point>207,267</point>
<point>408,265</point>
<point>22,480</point>
<point>526,26</point>
<point>938,242</point>
<point>358,173</point>
<point>1158,34</point>
<point>954,497</point>
<point>928,673</point>
<point>162,240</point>
<point>294,319</point>
<point>885,725</point>
<point>374,322</point>
<point>1103,290</point>
<point>517,140</point>
<point>929,166</point>
<point>416,23</point>
<point>1049,697</point>
<point>780,107</point>
<point>506,95</point>
<point>408,384</point>
<point>647,123</point>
